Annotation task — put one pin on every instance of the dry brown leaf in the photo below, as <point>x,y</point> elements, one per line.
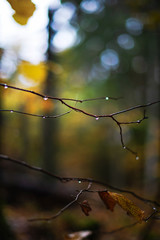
<point>77,235</point>
<point>126,204</point>
<point>108,200</point>
<point>85,207</point>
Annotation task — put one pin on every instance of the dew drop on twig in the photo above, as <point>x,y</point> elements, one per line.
<point>79,182</point>
<point>43,117</point>
<point>124,147</point>
<point>107,98</point>
<point>97,118</point>
<point>5,86</point>
<point>11,111</point>
<point>45,98</point>
<point>137,158</point>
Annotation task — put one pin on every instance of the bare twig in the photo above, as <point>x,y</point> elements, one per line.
<point>119,229</point>
<point>59,212</point>
<point>45,97</point>
<point>152,215</point>
<point>35,115</point>
<point>79,180</point>
<point>64,208</point>
<point>76,100</point>
<point>74,108</point>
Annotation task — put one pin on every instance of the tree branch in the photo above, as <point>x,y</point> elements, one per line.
<point>61,210</point>
<point>34,115</point>
<point>74,108</point>
<point>79,180</point>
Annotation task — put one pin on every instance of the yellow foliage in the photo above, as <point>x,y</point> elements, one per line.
<point>128,206</point>
<point>35,72</point>
<point>110,199</point>
<point>24,9</point>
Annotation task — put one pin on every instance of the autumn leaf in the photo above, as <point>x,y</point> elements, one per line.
<point>24,9</point>
<point>110,199</point>
<point>37,72</point>
<point>128,206</point>
<point>77,235</point>
<point>85,207</point>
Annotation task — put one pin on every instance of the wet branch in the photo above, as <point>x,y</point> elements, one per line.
<point>34,115</point>
<point>63,209</point>
<point>155,205</point>
<point>80,180</point>
<point>64,101</point>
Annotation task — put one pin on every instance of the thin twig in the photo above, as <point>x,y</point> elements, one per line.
<point>78,179</point>
<point>78,109</point>
<point>63,209</point>
<point>74,108</point>
<point>34,115</point>
<point>59,212</point>
<point>45,97</point>
<point>119,229</point>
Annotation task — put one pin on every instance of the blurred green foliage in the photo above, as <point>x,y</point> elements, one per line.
<point>116,55</point>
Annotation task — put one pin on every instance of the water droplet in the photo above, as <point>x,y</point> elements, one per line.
<point>79,182</point>
<point>44,117</point>
<point>138,121</point>
<point>137,158</point>
<point>45,98</point>
<point>97,118</point>
<point>5,86</point>
<point>155,209</point>
<point>124,147</point>
<point>11,111</point>
<point>107,98</point>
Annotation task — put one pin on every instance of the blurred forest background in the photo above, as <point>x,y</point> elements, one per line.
<point>78,49</point>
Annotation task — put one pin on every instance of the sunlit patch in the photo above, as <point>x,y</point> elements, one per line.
<point>110,59</point>
<point>30,41</point>
<point>8,63</point>
<point>125,41</point>
<point>63,15</point>
<point>64,39</point>
<point>46,3</point>
<point>26,81</point>
<point>90,6</point>
<point>134,26</point>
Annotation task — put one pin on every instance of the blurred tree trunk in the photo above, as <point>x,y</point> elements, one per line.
<point>1,53</point>
<point>152,152</point>
<point>50,125</point>
<point>5,231</point>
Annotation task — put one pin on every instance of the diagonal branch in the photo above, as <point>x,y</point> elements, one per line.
<point>78,179</point>
<point>46,97</point>
<point>59,212</point>
<point>119,229</point>
<point>62,100</point>
<point>74,108</point>
<point>64,208</point>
